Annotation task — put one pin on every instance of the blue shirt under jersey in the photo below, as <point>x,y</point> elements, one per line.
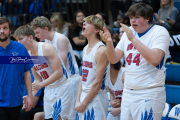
<point>40,102</point>
<point>11,76</point>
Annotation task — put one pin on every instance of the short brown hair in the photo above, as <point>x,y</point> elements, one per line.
<point>25,30</point>
<point>4,20</point>
<point>97,22</point>
<point>141,9</point>
<point>41,22</point>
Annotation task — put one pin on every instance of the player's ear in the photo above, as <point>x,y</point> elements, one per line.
<point>46,28</point>
<point>97,30</point>
<point>31,37</point>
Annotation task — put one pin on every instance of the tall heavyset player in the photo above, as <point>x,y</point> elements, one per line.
<point>145,47</point>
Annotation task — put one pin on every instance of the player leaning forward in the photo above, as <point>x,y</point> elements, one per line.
<point>145,47</point>
<point>92,99</point>
<point>52,75</point>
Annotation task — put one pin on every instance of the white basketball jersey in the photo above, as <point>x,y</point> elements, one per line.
<point>45,70</point>
<point>117,88</point>
<point>89,69</point>
<point>71,66</point>
<point>140,74</point>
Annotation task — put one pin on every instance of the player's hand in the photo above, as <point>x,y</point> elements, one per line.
<point>115,112</point>
<point>80,107</point>
<point>27,103</point>
<point>106,36</point>
<point>36,86</point>
<point>115,103</point>
<point>128,32</point>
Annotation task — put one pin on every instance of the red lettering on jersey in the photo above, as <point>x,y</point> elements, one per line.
<point>87,64</point>
<point>116,93</point>
<point>130,46</point>
<point>44,75</point>
<point>35,68</point>
<point>90,65</point>
<point>40,66</point>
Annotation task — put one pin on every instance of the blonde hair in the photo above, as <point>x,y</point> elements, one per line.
<point>25,30</point>
<point>60,21</point>
<point>169,10</point>
<point>41,22</point>
<point>97,22</point>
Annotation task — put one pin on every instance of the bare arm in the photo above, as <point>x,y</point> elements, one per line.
<point>27,82</point>
<point>111,95</point>
<point>79,91</point>
<point>54,61</point>
<point>78,41</point>
<point>62,44</point>
<point>37,79</point>
<point>102,62</point>
<point>114,55</point>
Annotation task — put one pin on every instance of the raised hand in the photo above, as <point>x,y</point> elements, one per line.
<point>128,32</point>
<point>106,36</point>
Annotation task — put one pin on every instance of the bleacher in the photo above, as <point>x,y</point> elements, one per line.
<point>172,92</point>
<point>29,9</point>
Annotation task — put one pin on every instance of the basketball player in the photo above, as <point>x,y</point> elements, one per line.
<point>145,47</point>
<point>43,30</point>
<point>92,100</point>
<point>57,95</point>
<point>116,86</point>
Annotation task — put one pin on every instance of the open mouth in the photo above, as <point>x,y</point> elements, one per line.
<point>83,29</point>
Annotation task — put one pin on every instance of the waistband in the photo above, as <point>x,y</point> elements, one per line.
<point>160,88</point>
<point>58,84</point>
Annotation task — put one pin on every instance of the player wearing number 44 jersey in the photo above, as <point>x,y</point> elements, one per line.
<point>52,75</point>
<point>145,47</point>
<point>92,100</point>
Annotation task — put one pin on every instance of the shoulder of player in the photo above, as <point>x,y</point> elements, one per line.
<point>62,40</point>
<point>101,51</point>
<point>48,48</point>
<point>160,29</point>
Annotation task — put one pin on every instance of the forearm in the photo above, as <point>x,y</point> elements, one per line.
<point>51,79</point>
<point>34,98</point>
<point>111,54</point>
<point>79,41</point>
<point>92,92</point>
<point>149,54</point>
<point>28,83</point>
<point>111,97</point>
<point>79,91</point>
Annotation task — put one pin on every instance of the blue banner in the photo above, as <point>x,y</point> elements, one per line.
<point>23,60</point>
